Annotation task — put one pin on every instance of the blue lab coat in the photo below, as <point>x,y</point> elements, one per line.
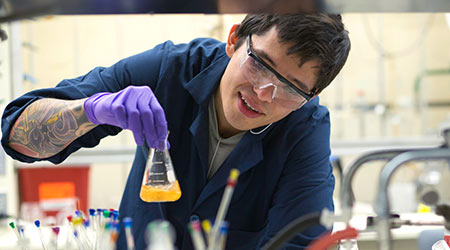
<point>285,171</point>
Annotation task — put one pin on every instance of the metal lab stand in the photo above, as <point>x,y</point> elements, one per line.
<point>346,192</point>
<point>382,207</point>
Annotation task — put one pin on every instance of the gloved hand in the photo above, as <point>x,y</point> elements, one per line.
<point>134,108</point>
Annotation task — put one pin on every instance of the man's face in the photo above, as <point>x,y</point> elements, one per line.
<point>242,106</point>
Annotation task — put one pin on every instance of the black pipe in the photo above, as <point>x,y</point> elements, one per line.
<point>288,232</point>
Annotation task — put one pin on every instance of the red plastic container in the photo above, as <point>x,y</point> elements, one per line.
<point>52,186</point>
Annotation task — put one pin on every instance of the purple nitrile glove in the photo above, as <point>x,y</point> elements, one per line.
<point>134,108</point>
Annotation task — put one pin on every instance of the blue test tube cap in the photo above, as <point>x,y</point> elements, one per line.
<point>115,214</point>
<point>78,213</point>
<point>37,223</point>
<point>224,227</point>
<point>127,222</point>
<point>91,211</point>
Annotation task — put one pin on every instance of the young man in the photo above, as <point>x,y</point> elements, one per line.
<point>249,103</point>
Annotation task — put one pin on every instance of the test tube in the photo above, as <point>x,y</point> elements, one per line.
<point>114,234</point>
<point>226,198</point>
<point>78,241</point>
<point>206,225</point>
<point>78,224</point>
<point>92,219</point>
<point>222,236</point>
<point>107,215</point>
<point>55,231</point>
<point>100,218</point>
<point>127,223</point>
<point>105,237</point>
<point>115,215</point>
<point>196,235</point>
<point>38,225</point>
<point>78,213</point>
<point>68,237</point>
<point>16,232</point>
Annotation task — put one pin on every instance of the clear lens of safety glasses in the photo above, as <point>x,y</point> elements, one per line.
<point>261,78</point>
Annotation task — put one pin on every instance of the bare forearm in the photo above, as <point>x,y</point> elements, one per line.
<point>47,126</point>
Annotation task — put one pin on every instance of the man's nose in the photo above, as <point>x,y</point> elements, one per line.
<point>266,92</point>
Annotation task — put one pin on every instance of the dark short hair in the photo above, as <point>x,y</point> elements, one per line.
<point>317,36</point>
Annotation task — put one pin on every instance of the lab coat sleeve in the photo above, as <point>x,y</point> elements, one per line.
<point>141,69</point>
<point>306,185</point>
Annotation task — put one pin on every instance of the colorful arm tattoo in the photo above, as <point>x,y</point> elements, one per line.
<point>47,126</point>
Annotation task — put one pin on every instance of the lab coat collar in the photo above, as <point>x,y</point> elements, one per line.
<point>247,153</point>
<point>203,85</point>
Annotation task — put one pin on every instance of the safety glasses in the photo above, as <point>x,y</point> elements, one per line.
<point>263,76</point>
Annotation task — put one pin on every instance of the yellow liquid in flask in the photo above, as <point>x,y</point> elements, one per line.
<point>161,194</point>
<point>159,182</point>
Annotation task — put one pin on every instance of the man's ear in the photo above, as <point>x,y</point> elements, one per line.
<point>231,41</point>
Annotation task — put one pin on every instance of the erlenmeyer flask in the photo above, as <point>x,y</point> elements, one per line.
<point>160,183</point>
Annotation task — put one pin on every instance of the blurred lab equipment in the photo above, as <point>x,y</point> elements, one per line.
<point>127,223</point>
<point>22,242</point>
<point>346,192</point>
<point>196,235</point>
<point>382,206</point>
<point>160,235</point>
<point>440,245</point>
<point>38,225</point>
<point>325,241</point>
<point>427,238</point>
<point>328,240</point>
<point>427,187</point>
<point>214,238</point>
<point>54,238</point>
<point>348,244</point>
<point>159,183</point>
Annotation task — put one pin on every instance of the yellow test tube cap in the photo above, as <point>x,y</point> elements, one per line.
<point>234,173</point>
<point>77,221</point>
<point>206,224</point>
